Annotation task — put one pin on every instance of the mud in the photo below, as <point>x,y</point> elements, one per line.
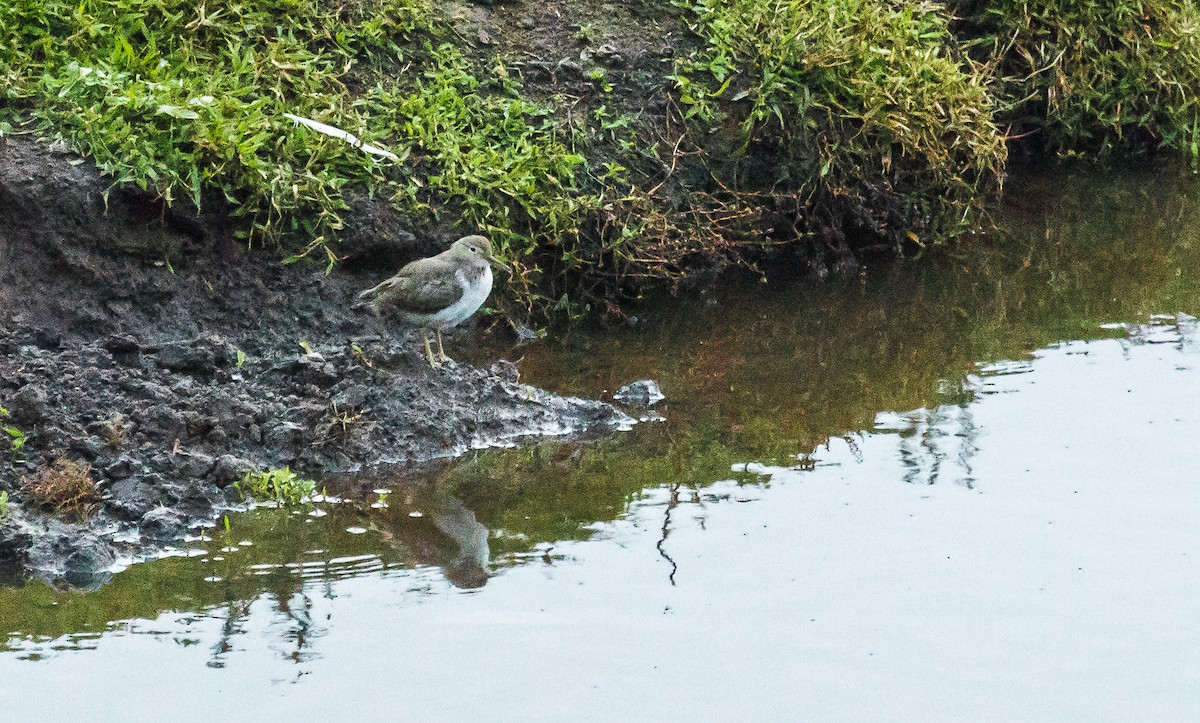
<point>149,343</point>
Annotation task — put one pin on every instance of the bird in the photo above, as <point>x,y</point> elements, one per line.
<point>437,292</point>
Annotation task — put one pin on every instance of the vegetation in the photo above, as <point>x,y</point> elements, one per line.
<point>859,112</point>
<point>13,435</point>
<point>1099,77</point>
<point>190,103</point>
<point>279,485</point>
<point>65,487</point>
<point>830,126</point>
<point>3,507</point>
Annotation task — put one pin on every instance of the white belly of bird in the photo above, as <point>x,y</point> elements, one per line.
<point>473,296</point>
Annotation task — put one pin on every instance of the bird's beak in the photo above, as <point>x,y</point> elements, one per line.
<point>499,263</point>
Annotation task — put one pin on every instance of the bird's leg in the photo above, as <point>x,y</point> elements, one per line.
<point>442,352</point>
<point>429,351</point>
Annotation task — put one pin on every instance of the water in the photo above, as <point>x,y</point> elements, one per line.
<point>962,490</point>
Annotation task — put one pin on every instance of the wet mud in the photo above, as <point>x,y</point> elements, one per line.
<point>170,357</point>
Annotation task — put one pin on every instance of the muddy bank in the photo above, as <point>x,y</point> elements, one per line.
<point>151,345</point>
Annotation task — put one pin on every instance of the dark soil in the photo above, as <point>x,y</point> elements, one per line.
<point>148,343</point>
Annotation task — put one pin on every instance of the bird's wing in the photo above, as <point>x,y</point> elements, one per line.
<point>424,287</point>
<point>379,288</point>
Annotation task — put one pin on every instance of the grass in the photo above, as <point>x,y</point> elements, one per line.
<point>66,487</point>
<point>188,103</point>
<point>3,508</point>
<point>482,157</point>
<point>282,486</point>
<point>1094,78</point>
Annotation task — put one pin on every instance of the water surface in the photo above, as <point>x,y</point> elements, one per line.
<point>963,489</point>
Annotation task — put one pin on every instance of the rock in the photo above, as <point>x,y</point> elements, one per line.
<point>85,448</point>
<point>154,391</point>
<point>313,369</point>
<point>609,55</point>
<point>29,405</point>
<point>354,397</point>
<point>569,68</point>
<point>229,469</point>
<point>163,523</point>
<point>120,469</point>
<point>375,233</point>
<point>91,554</point>
<point>194,499</point>
<point>15,538</point>
<point>131,498</point>
<point>182,357</point>
<point>197,356</point>
<point>164,424</point>
<point>642,393</point>
<point>66,552</point>
<point>127,365</point>
<point>281,435</point>
<point>193,465</point>
<point>122,344</point>
<point>48,339</point>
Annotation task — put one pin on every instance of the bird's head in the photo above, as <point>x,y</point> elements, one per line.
<point>476,247</point>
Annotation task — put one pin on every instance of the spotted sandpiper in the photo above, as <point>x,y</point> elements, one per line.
<point>438,292</point>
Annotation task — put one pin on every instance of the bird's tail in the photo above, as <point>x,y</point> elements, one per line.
<point>378,288</point>
<point>366,299</point>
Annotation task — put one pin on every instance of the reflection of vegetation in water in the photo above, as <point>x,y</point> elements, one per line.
<point>553,491</point>
<point>763,375</point>
<point>287,549</point>
<point>780,368</point>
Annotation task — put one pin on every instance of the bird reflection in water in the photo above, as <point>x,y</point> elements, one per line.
<point>469,569</point>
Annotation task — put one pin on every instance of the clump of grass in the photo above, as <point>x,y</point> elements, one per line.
<point>1098,77</point>
<point>853,115</point>
<point>66,487</point>
<point>282,486</point>
<point>3,508</point>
